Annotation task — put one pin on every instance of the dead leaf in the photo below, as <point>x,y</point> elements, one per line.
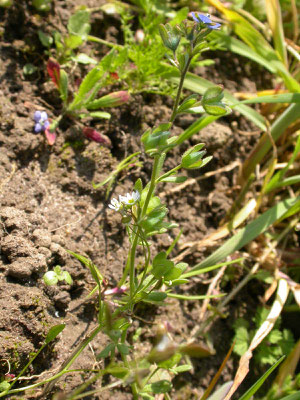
<point>263,331</point>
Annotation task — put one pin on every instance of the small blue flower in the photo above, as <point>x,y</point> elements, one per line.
<point>204,19</point>
<point>41,121</point>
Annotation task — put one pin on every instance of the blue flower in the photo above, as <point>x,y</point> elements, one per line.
<point>204,19</point>
<point>41,121</point>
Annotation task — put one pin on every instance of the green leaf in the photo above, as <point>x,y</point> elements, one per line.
<point>100,114</point>
<point>175,272</point>
<point>274,336</point>
<point>138,185</point>
<point>63,85</point>
<point>29,69</point>
<point>50,278</point>
<point>154,219</point>
<point>146,396</point>
<point>182,368</point>
<point>241,340</point>
<point>89,82</point>
<point>67,277</point>
<point>123,349</point>
<point>177,282</point>
<point>161,265</point>
<point>212,95</point>
<point>118,371</point>
<point>260,381</point>
<point>217,110</point>
<point>287,342</point>
<point>187,103</point>
<point>105,352</point>
<point>158,387</point>
<point>42,5</point>
<point>54,332</point>
<point>45,39</point>
<point>170,362</point>
<point>174,179</point>
<point>4,385</point>
<point>156,296</point>
<point>5,3</point>
<point>73,41</point>
<point>79,24</point>
<point>83,58</point>
<point>293,396</point>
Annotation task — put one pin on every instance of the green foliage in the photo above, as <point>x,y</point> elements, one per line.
<point>277,343</point>
<point>42,5</point>
<point>290,386</point>
<point>57,275</point>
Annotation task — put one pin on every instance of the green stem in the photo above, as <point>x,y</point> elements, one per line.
<point>145,268</point>
<point>150,376</point>
<point>152,185</point>
<point>131,264</point>
<point>85,385</point>
<point>173,116</point>
<point>102,41</point>
<point>73,356</point>
<point>171,172</point>
<point>23,370</point>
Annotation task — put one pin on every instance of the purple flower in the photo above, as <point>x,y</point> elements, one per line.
<point>41,121</point>
<point>204,19</point>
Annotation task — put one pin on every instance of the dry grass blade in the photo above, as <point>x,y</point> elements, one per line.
<point>263,331</point>
<point>216,377</point>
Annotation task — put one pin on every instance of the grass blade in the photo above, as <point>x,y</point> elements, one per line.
<point>275,22</point>
<point>250,232</point>
<point>290,115</point>
<point>199,85</point>
<point>260,381</point>
<point>237,46</point>
<point>273,98</point>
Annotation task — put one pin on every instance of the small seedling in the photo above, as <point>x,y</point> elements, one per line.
<point>57,275</point>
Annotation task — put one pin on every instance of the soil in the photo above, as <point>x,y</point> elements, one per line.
<point>48,206</point>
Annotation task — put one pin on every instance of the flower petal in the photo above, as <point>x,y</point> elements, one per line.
<point>44,116</point>
<point>51,136</point>
<point>194,16</point>
<point>37,128</point>
<point>204,19</point>
<point>37,116</point>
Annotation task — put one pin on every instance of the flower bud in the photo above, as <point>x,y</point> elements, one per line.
<point>114,99</point>
<point>170,36</point>
<point>192,158</point>
<point>126,220</point>
<point>212,101</point>
<point>53,69</point>
<point>213,95</point>
<point>96,136</point>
